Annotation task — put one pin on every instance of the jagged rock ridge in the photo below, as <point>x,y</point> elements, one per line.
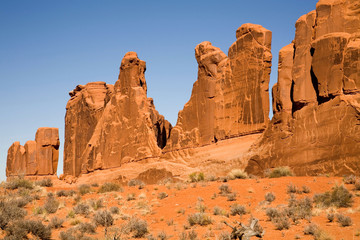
<point>316,101</point>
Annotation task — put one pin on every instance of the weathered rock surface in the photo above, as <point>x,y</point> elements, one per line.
<point>39,157</point>
<point>319,133</point>
<point>124,125</point>
<point>230,96</point>
<point>83,112</point>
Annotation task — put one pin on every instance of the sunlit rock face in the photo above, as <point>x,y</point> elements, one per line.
<point>230,97</point>
<point>107,126</point>
<point>316,100</point>
<point>39,157</point>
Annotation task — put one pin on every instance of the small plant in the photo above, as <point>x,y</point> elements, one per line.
<point>82,209</point>
<point>71,214</point>
<point>199,219</point>
<point>96,204</point>
<point>279,172</point>
<point>138,227</point>
<point>84,189</point>
<point>56,222</point>
<point>51,205</point>
<point>224,189</point>
<point>311,229</point>
<point>219,211</point>
<point>299,209</point>
<point>103,218</point>
<point>237,209</point>
<point>344,220</point>
<point>162,195</point>
<point>19,182</point>
<point>281,223</point>
<point>110,187</point>
<point>197,177</point>
<point>46,182</point>
<point>349,179</point>
<point>65,193</point>
<point>191,235</point>
<point>306,189</point>
<point>291,188</point>
<point>136,182</point>
<point>114,210</point>
<point>357,185</point>
<point>162,235</point>
<point>237,173</point>
<point>20,229</point>
<point>86,228</point>
<point>130,197</point>
<point>231,197</point>
<point>338,197</point>
<point>224,236</point>
<point>330,217</point>
<point>269,196</point>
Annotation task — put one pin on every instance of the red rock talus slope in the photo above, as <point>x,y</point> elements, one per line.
<point>316,123</point>
<point>114,126</point>
<point>230,96</point>
<point>39,157</point>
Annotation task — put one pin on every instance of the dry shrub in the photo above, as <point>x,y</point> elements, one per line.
<point>19,182</point>
<point>344,221</point>
<point>269,196</point>
<point>110,187</point>
<point>84,189</point>
<point>162,195</point>
<point>65,193</point>
<point>197,177</point>
<point>224,189</point>
<point>20,229</point>
<point>237,209</point>
<point>51,205</point>
<point>349,179</point>
<point>138,227</point>
<point>103,218</point>
<point>199,219</point>
<point>338,197</point>
<point>237,173</point>
<point>56,222</point>
<point>279,172</point>
<point>46,182</point>
<point>82,209</point>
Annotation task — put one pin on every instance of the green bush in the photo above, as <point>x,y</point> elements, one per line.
<point>279,172</point>
<point>338,197</point>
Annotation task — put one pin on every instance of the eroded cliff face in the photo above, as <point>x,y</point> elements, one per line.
<point>230,97</point>
<point>115,125</point>
<point>39,157</point>
<point>316,101</point>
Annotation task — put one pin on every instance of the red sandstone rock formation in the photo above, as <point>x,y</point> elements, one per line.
<point>230,96</point>
<point>316,123</point>
<point>39,157</point>
<point>117,126</point>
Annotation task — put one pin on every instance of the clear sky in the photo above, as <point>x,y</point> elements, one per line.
<point>49,47</point>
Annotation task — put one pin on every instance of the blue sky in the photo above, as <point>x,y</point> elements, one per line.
<point>49,47</point>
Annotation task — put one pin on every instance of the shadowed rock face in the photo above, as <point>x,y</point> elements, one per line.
<point>118,126</point>
<point>39,157</point>
<point>230,96</point>
<point>317,107</point>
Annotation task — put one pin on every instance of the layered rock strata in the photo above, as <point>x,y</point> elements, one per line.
<point>230,97</point>
<point>39,157</point>
<point>115,125</point>
<point>316,101</point>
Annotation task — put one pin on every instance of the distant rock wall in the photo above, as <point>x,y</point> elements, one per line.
<point>39,157</point>
<point>230,97</point>
<point>316,101</point>
<point>108,126</point>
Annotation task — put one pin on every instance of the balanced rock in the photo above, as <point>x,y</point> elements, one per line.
<point>230,96</point>
<point>39,157</point>
<point>124,124</point>
<point>317,111</point>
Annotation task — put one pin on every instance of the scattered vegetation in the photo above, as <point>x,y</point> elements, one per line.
<point>65,193</point>
<point>197,177</point>
<point>82,209</point>
<point>219,211</point>
<point>270,197</point>
<point>199,219</point>
<point>237,209</point>
<point>344,220</point>
<point>136,182</point>
<point>56,222</point>
<point>279,172</point>
<point>137,227</point>
<point>103,218</point>
<point>46,182</point>
<point>224,189</point>
<point>237,173</point>
<point>21,228</point>
<point>51,205</point>
<point>19,182</point>
<point>338,197</point>
<point>110,187</point>
<point>84,189</point>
